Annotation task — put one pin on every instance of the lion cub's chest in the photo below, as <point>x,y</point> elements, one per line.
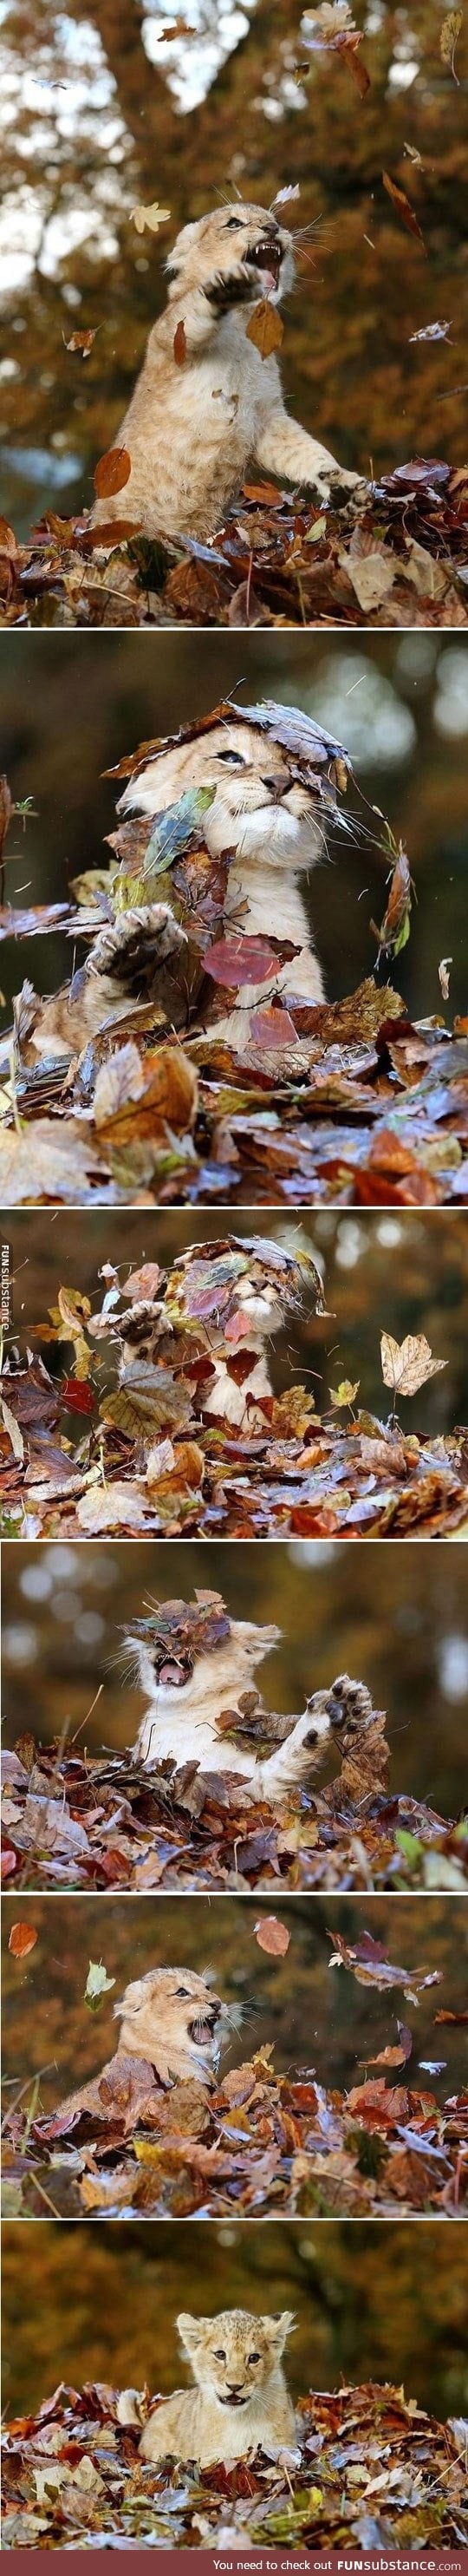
<point>228,389</point>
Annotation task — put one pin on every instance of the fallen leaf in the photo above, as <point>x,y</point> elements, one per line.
<point>272,1936</point>
<point>433,331</point>
<point>395,928</point>
<point>408,1365</point>
<point>22,1939</point>
<point>242,961</point>
<point>403,208</point>
<point>265,327</point>
<point>444,977</point>
<point>111,472</point>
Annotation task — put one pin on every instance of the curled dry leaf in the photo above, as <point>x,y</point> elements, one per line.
<point>408,1365</point>
<point>22,1939</point>
<point>368,1963</point>
<point>272,1936</point>
<point>149,218</point>
<point>444,976</point>
<point>112,471</point>
<point>81,342</point>
<point>403,208</point>
<point>433,331</point>
<point>449,34</point>
<point>265,327</point>
<point>395,927</point>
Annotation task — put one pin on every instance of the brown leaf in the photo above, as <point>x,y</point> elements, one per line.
<point>180,345</point>
<point>407,1365</point>
<point>81,342</point>
<point>397,2056</point>
<point>265,327</point>
<point>272,1936</point>
<point>112,471</point>
<point>22,1938</point>
<point>394,931</point>
<point>403,208</point>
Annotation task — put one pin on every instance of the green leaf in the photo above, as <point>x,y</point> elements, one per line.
<point>97,1985</point>
<point>174,829</point>
<point>402,936</point>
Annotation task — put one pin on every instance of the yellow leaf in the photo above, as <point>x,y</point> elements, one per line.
<point>407,1365</point>
<point>149,218</point>
<point>449,34</point>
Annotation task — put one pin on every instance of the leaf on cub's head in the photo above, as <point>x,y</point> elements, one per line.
<point>408,1365</point>
<point>265,327</point>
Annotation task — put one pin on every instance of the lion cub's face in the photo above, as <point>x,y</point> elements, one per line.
<point>213,1680</point>
<point>257,810</point>
<point>237,236</point>
<point>233,2355</point>
<point>172,2009</point>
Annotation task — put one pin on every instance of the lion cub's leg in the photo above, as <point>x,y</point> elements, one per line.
<point>284,448</point>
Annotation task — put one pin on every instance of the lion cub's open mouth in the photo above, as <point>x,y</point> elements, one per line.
<point>234,2401</point>
<point>201,2030</point>
<point>267,257</point>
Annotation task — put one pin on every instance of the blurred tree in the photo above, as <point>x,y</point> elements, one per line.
<point>101,2303</point>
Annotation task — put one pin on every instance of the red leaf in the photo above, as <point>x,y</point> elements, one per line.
<point>22,1939</point>
<point>112,472</point>
<point>77,1395</point>
<point>8,1863</point>
<point>403,208</point>
<point>241,961</point>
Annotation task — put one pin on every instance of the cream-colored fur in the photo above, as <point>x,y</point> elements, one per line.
<point>191,429</point>
<point>170,2019</point>
<point>131,950</point>
<point>182,1714</point>
<point>240,2401</point>
<point>272,825</point>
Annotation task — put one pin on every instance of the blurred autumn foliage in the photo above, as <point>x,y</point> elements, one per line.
<point>101,2302</point>
<point>109,111</point>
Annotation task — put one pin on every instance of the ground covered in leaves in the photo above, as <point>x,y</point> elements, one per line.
<point>398,561</point>
<point>71,1822</point>
<point>260,2144</point>
<point>374,2471</point>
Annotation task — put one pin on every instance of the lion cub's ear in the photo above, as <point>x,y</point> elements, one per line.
<point>277,2329</point>
<point>191,2330</point>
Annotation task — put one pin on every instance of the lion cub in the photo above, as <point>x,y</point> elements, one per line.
<point>240,2401</point>
<point>206,403</point>
<point>169,2021</point>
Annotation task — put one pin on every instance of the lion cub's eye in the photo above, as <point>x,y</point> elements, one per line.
<point>182,1994</point>
<point>234,759</point>
<point>254,2356</point>
<point>234,224</point>
<point>219,2356</point>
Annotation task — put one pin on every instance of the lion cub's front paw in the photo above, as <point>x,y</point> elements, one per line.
<point>236,287</point>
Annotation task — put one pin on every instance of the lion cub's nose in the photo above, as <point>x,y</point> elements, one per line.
<point>275,786</point>
<point>235,2387</point>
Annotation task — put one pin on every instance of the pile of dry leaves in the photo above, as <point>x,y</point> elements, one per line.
<point>399,561</point>
<point>258,2143</point>
<point>152,1459</point>
<point>375,2471</point>
<point>70,1821</point>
